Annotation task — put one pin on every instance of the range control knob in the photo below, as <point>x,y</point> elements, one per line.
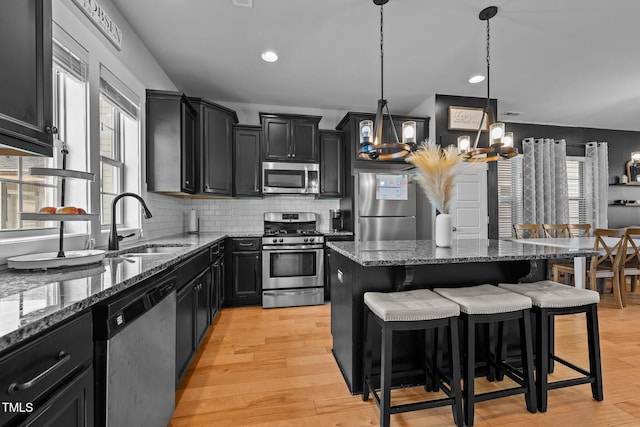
<point>311,239</point>
<point>275,240</point>
<point>306,240</point>
<point>281,240</point>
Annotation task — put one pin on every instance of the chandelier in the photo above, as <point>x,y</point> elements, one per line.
<point>372,146</point>
<point>500,142</point>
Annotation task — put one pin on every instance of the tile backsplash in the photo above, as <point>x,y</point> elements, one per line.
<point>170,214</point>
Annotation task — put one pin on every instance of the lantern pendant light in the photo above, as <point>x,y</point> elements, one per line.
<point>371,145</point>
<point>500,144</point>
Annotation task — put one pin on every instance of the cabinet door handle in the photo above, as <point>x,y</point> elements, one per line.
<point>245,244</point>
<point>293,155</point>
<point>186,182</point>
<point>62,359</point>
<point>51,130</point>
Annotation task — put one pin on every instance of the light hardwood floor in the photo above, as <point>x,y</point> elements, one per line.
<point>275,368</point>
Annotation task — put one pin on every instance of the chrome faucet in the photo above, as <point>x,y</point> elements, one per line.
<point>114,238</point>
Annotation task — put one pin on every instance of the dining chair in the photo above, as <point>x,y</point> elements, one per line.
<point>630,264</point>
<point>524,231</point>
<point>579,230</point>
<point>555,230</point>
<point>607,263</point>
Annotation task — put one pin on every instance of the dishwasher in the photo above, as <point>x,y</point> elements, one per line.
<point>135,354</point>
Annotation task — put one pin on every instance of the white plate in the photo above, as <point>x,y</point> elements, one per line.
<point>50,259</point>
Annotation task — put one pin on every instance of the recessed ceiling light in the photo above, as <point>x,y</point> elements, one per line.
<point>242,3</point>
<point>476,79</point>
<point>269,56</point>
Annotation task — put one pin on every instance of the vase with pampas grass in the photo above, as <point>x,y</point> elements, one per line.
<point>437,171</point>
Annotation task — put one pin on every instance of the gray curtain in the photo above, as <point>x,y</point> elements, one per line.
<point>544,168</point>
<point>596,178</point>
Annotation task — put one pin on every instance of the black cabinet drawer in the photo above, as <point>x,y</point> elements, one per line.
<point>245,244</point>
<point>216,250</point>
<point>192,267</point>
<point>31,373</point>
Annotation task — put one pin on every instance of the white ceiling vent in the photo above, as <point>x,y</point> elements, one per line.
<point>242,3</point>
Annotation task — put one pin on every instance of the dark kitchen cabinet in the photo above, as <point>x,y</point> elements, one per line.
<point>244,284</point>
<point>62,361</point>
<point>185,330</point>
<point>214,134</point>
<point>327,261</point>
<point>192,319</point>
<point>171,143</point>
<point>290,138</point>
<point>331,164</point>
<point>217,279</point>
<point>246,160</point>
<point>72,406</point>
<point>26,104</point>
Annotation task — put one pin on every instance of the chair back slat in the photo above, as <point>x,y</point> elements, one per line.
<point>631,248</point>
<point>554,230</point>
<point>523,231</point>
<point>611,252</point>
<point>579,230</point>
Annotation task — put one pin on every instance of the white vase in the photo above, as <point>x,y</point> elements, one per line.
<point>444,230</point>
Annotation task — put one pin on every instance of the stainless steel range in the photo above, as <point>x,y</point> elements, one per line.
<point>292,260</point>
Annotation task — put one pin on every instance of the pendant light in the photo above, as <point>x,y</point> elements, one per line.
<point>500,144</point>
<point>371,145</point>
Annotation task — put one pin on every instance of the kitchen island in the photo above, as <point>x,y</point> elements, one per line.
<point>385,266</point>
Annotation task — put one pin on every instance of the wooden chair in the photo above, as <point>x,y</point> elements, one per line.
<point>555,230</point>
<point>524,231</point>
<point>607,263</point>
<point>630,263</point>
<point>579,230</point>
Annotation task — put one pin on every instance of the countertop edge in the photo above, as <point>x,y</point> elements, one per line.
<point>30,330</point>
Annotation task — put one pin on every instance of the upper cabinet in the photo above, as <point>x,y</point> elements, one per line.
<point>331,164</point>
<point>350,125</point>
<point>214,132</point>
<point>171,151</point>
<point>290,138</point>
<point>26,104</point>
<point>246,161</point>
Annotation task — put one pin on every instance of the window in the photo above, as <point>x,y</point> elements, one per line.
<point>510,208</point>
<point>19,190</point>
<point>118,130</point>
<point>510,193</point>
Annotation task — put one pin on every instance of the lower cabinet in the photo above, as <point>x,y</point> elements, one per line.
<point>49,380</point>
<point>192,319</point>
<point>327,261</point>
<point>72,406</point>
<point>244,286</point>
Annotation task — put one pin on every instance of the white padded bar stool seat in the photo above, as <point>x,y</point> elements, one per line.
<point>485,299</point>
<point>407,306</point>
<point>550,294</point>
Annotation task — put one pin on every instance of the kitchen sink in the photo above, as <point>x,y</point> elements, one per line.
<point>153,249</point>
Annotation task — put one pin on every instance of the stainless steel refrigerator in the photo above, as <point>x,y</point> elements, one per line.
<point>389,206</point>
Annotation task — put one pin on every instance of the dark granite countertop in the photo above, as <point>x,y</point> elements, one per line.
<point>419,252</point>
<point>32,301</point>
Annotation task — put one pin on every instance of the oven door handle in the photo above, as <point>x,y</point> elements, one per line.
<point>272,248</point>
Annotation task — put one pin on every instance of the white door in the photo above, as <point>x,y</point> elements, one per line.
<point>469,209</point>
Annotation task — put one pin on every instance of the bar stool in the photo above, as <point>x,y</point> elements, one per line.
<point>419,309</point>
<point>553,299</point>
<point>487,304</point>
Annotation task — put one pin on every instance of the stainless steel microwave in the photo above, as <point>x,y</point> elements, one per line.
<point>290,178</point>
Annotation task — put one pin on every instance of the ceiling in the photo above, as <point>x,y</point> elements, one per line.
<point>568,62</point>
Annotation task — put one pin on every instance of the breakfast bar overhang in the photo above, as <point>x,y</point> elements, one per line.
<point>385,266</point>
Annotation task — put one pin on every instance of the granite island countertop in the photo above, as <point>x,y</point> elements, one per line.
<point>422,252</point>
<point>32,301</point>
